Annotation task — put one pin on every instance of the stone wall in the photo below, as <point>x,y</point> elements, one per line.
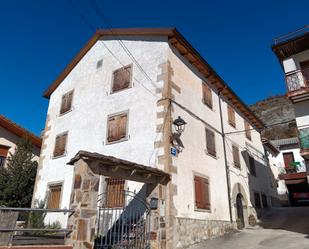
<point>190,231</point>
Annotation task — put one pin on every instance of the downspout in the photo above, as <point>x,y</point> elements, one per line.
<point>225,160</point>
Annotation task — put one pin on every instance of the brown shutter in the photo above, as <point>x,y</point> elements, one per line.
<point>198,192</point>
<point>4,150</point>
<point>288,159</point>
<point>54,196</point>
<point>60,145</point>
<point>207,95</point>
<point>66,103</point>
<point>115,196</point>
<point>206,201</point>
<point>236,158</point>
<point>117,127</point>
<point>247,130</point>
<point>231,116</point>
<point>122,78</point>
<point>210,141</point>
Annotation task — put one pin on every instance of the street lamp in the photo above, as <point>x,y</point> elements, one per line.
<point>179,125</point>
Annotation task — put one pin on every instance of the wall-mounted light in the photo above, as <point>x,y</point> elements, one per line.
<point>179,125</point>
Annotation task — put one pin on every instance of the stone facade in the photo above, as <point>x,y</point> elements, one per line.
<point>84,200</point>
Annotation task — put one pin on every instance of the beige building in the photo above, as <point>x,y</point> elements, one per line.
<point>10,134</point>
<point>140,111</point>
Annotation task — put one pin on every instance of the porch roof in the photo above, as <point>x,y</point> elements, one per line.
<point>115,167</point>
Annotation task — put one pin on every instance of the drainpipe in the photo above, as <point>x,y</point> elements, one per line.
<point>225,159</point>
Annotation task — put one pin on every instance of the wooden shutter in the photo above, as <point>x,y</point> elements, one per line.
<point>122,78</point>
<point>207,95</point>
<point>231,116</point>
<point>115,196</point>
<point>210,142</point>
<point>288,159</point>
<point>60,145</point>
<point>66,103</point>
<point>236,157</point>
<point>4,151</point>
<point>54,196</point>
<point>202,198</point>
<point>117,127</point>
<point>247,130</point>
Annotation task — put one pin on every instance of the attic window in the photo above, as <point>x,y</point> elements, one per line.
<point>122,78</point>
<point>99,64</point>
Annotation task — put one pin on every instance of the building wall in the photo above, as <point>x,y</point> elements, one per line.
<point>93,102</point>
<point>292,63</point>
<point>9,139</point>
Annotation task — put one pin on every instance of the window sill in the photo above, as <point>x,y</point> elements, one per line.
<point>121,90</point>
<point>118,141</point>
<point>208,154</point>
<point>208,106</point>
<point>62,114</point>
<point>56,157</point>
<point>202,210</point>
<point>232,125</point>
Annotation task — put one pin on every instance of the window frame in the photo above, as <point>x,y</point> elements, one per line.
<point>4,156</point>
<point>121,203</point>
<point>53,185</point>
<point>214,140</point>
<point>253,173</point>
<point>255,193</point>
<point>71,105</point>
<point>209,105</point>
<point>230,110</point>
<point>126,138</point>
<point>248,132</point>
<point>236,165</point>
<point>199,209</point>
<point>65,147</point>
<point>113,78</point>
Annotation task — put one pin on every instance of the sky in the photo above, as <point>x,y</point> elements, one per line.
<point>40,37</point>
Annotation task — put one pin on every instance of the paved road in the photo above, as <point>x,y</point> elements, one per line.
<point>283,228</point>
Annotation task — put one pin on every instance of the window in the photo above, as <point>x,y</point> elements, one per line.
<point>99,64</point>
<point>304,65</point>
<point>210,142</point>
<point>257,200</point>
<point>117,127</point>
<point>248,130</point>
<point>3,154</point>
<point>288,158</point>
<point>264,201</point>
<point>201,187</point>
<point>207,95</point>
<point>252,166</point>
<point>115,196</point>
<point>236,158</point>
<point>54,195</point>
<point>122,78</point>
<point>231,116</point>
<point>66,103</point>
<point>60,145</point>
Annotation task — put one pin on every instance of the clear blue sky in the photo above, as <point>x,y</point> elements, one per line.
<point>39,37</point>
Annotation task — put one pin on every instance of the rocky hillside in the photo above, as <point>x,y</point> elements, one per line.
<point>274,110</point>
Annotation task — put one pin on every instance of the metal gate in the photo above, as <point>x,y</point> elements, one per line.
<point>123,221</point>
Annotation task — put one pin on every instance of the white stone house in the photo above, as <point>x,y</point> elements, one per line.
<point>123,105</point>
<point>10,135</point>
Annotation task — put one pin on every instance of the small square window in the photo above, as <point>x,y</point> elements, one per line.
<point>117,127</point>
<point>122,78</point>
<point>210,142</point>
<point>99,64</point>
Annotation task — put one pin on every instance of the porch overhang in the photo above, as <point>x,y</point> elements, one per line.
<point>115,167</point>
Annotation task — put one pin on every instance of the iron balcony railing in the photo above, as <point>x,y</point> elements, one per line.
<point>297,80</point>
<point>291,35</point>
<point>29,226</point>
<point>304,138</point>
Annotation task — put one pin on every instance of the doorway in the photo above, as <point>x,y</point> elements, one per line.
<point>240,212</point>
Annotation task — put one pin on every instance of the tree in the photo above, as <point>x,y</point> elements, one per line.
<point>18,177</point>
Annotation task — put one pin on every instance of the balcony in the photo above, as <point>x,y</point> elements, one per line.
<point>297,83</point>
<point>304,142</point>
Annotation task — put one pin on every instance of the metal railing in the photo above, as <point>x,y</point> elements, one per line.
<point>304,138</point>
<point>291,35</point>
<point>297,79</point>
<point>27,226</point>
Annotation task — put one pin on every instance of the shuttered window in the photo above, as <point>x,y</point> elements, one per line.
<point>252,166</point>
<point>117,127</point>
<point>60,145</point>
<point>247,130</point>
<point>236,158</point>
<point>257,200</point>
<point>115,196</point>
<point>231,116</point>
<point>54,196</point>
<point>210,142</point>
<point>122,78</point>
<point>201,188</point>
<point>4,150</point>
<point>66,102</point>
<point>207,95</point>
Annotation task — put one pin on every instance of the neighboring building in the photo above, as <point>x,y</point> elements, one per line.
<point>217,168</point>
<point>289,160</point>
<point>10,134</point>
<point>292,50</point>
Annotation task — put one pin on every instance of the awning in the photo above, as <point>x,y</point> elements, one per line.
<point>115,167</point>
<point>293,182</point>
